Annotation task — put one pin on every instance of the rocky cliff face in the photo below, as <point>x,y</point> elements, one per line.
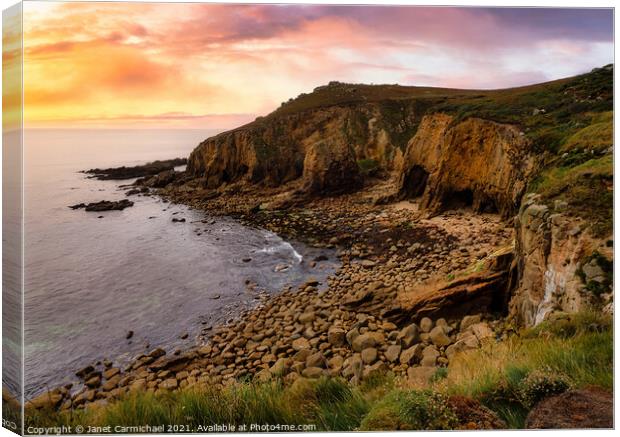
<point>475,162</point>
<point>452,149</point>
<point>322,146</point>
<point>562,266</point>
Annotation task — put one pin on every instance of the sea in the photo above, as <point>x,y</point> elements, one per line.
<point>91,277</point>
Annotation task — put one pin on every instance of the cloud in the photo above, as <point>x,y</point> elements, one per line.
<point>113,60</point>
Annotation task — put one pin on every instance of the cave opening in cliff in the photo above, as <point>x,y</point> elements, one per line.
<point>415,181</point>
<point>488,206</point>
<point>459,199</point>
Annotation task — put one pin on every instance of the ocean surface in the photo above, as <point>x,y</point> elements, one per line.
<point>90,280</point>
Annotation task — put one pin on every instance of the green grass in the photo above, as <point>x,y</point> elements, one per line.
<point>572,351</point>
<point>597,136</point>
<point>367,166</point>
<point>586,187</point>
<point>410,410</point>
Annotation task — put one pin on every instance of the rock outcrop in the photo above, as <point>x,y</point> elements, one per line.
<point>562,266</point>
<point>322,146</point>
<point>476,162</point>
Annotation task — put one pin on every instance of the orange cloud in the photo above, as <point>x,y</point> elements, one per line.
<point>194,64</point>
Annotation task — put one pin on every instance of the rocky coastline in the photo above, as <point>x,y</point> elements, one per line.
<point>345,330</point>
<point>452,228</point>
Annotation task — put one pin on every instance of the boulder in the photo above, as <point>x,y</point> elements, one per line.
<point>393,353</point>
<point>584,409</point>
<point>47,400</point>
<point>111,372</point>
<point>352,366</point>
<point>429,356</point>
<point>438,336</point>
<point>468,321</point>
<point>482,331</point>
<point>409,335</point>
<point>169,384</point>
<point>316,360</point>
<point>281,367</point>
<point>336,336</point>
<point>300,344</point>
<point>426,324</point>
<point>369,355</point>
<point>312,372</point>
<point>364,341</point>
<point>307,317</point>
<point>352,335</point>
<point>421,375</point>
<point>412,355</point>
<point>466,343</point>
<point>111,383</point>
<point>377,369</point>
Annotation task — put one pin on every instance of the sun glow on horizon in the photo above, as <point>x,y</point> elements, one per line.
<point>219,66</point>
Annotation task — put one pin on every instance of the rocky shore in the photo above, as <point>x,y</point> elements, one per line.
<point>346,330</point>
<point>453,226</point>
<point>138,171</point>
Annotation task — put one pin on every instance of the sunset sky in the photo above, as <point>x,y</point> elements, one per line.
<point>217,66</point>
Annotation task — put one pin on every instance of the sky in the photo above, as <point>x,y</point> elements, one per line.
<point>215,66</point>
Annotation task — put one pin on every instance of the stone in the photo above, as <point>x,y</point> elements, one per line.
<point>421,374</point>
<point>93,382</point>
<point>352,366</point>
<point>312,372</point>
<point>409,335</point>
<point>263,375</point>
<point>89,396</point>
<point>169,384</point>
<point>336,336</point>
<point>426,324</point>
<point>369,355</point>
<point>138,385</point>
<point>316,360</point>
<point>336,363</point>
<point>592,270</point>
<point>429,356</point>
<point>82,373</point>
<point>377,369</point>
<point>363,341</point>
<point>468,321</point>
<point>393,353</point>
<point>307,317</point>
<point>482,331</point>
<point>47,400</point>
<point>352,335</point>
<point>464,344</point>
<point>302,355</point>
<point>412,355</point>
<point>300,344</point>
<point>438,336</point>
<point>442,322</point>
<point>205,350</point>
<point>111,383</point>
<point>281,367</point>
<point>111,372</point>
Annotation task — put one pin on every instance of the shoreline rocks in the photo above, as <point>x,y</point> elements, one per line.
<point>104,205</point>
<point>148,169</point>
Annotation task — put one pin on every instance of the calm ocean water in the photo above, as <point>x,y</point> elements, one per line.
<point>89,280</point>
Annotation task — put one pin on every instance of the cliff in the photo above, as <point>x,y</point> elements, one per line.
<point>326,147</point>
<point>475,162</point>
<point>450,149</point>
